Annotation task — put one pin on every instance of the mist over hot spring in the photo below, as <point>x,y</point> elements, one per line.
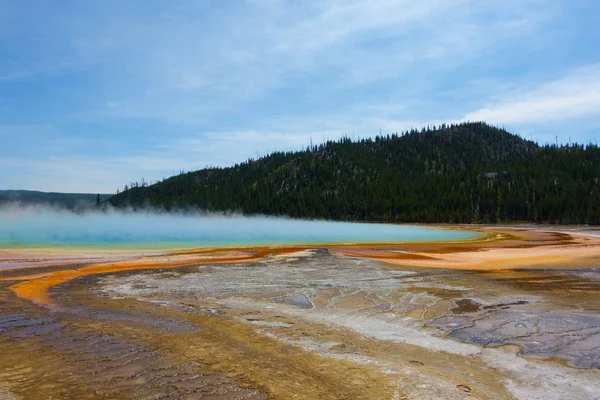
<point>37,226</point>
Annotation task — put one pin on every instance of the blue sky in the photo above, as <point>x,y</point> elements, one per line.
<point>95,94</point>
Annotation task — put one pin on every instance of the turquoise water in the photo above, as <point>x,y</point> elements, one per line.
<point>34,227</point>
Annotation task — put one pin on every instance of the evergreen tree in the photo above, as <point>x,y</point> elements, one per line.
<point>464,173</point>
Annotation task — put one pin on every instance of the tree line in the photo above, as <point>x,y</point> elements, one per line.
<point>459,173</point>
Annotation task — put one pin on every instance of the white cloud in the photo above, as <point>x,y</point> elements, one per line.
<point>178,67</point>
<point>335,21</point>
<point>573,96</point>
<point>221,84</point>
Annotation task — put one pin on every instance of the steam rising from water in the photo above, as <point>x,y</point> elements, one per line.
<point>34,226</point>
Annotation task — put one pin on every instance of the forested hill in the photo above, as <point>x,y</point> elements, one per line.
<point>65,200</point>
<point>471,172</point>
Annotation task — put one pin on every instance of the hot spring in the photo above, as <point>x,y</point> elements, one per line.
<point>43,227</point>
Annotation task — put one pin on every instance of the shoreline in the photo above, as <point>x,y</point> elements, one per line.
<point>499,248</point>
<point>491,237</point>
<point>14,258</point>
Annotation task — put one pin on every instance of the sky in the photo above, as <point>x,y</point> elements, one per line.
<point>96,94</point>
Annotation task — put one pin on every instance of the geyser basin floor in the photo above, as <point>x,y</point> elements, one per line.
<point>299,321</point>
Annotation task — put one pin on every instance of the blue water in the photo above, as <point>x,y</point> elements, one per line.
<point>38,227</point>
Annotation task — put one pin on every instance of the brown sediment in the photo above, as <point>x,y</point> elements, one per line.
<point>465,306</point>
<point>284,368</point>
<point>383,254</point>
<point>46,356</point>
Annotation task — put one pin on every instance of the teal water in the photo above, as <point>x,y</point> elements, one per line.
<point>32,227</point>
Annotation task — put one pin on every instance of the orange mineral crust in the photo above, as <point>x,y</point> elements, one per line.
<point>504,248</point>
<point>501,248</point>
<point>35,287</point>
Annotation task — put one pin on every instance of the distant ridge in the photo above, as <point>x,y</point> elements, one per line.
<point>68,200</point>
<point>465,173</point>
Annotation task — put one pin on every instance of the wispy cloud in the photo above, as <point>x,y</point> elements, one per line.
<point>575,95</point>
<point>120,90</point>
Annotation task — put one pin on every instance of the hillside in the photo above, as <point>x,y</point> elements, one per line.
<point>471,172</point>
<point>68,200</point>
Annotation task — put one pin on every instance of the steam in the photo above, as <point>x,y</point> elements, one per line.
<point>43,226</point>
